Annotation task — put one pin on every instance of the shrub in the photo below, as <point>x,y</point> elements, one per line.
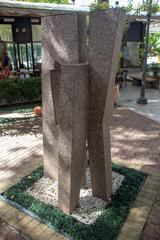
<point>20,90</point>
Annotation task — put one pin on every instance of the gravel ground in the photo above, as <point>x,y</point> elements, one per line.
<point>46,190</point>
<point>32,126</point>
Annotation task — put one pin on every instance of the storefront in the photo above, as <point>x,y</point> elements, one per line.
<point>20,29</point>
<point>23,38</point>
<point>132,44</point>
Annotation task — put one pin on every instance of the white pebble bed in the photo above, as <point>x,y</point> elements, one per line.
<point>46,190</point>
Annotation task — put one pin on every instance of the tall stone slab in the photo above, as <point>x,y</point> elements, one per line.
<point>105,35</point>
<point>60,42</point>
<point>73,124</point>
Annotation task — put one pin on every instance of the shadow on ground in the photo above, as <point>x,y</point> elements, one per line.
<point>135,139</point>
<point>21,127</point>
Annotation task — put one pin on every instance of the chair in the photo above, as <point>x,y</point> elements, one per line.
<point>121,78</point>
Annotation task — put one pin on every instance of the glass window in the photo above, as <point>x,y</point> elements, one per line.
<point>30,60</point>
<point>37,53</point>
<point>6,32</point>
<point>131,54</point>
<point>36,33</point>
<point>23,54</point>
<point>11,55</point>
<point>25,51</point>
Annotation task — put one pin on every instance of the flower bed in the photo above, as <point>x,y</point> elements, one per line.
<point>106,227</point>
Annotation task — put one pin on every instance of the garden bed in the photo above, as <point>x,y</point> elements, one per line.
<point>18,112</point>
<point>20,108</point>
<point>106,226</point>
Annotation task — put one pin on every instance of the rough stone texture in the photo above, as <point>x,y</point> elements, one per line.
<point>60,43</point>
<point>105,31</point>
<point>73,133</point>
<point>63,39</point>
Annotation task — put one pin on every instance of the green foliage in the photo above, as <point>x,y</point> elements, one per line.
<point>99,6</point>
<point>25,108</point>
<point>129,8</point>
<point>47,1</point>
<point>21,90</point>
<point>106,226</point>
<point>153,47</point>
<point>154,68</point>
<point>154,44</point>
<point>149,6</point>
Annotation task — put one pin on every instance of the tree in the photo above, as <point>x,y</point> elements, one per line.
<point>154,44</point>
<point>149,6</point>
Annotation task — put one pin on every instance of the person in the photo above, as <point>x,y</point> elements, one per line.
<point>5,72</point>
<point>23,72</point>
<point>4,60</point>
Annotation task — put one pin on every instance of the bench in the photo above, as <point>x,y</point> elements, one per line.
<point>153,82</point>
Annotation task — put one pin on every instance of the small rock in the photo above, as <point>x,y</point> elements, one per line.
<point>46,190</point>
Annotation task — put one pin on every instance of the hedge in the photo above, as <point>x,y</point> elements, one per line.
<point>20,90</point>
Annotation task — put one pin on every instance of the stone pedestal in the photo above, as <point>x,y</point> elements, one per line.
<point>73,122</point>
<point>105,35</point>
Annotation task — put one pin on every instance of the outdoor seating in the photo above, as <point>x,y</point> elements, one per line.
<point>151,82</point>
<point>121,78</point>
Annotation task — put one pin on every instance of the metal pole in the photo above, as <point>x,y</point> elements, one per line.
<point>142,99</point>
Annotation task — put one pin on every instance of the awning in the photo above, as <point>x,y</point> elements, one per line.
<point>16,8</point>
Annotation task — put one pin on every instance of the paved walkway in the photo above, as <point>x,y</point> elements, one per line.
<point>129,96</point>
<point>9,233</point>
<point>21,150</point>
<point>135,139</point>
<point>143,145</point>
<point>152,226</point>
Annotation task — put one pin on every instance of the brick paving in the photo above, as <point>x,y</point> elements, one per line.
<point>152,227</point>
<point>9,233</point>
<point>134,139</point>
<point>21,152</point>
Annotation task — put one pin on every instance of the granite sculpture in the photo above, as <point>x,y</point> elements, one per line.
<point>105,35</point>
<point>77,99</point>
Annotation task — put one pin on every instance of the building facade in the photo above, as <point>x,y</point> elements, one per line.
<point>23,38</point>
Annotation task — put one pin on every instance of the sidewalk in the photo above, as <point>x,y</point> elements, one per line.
<point>134,138</point>
<point>129,96</point>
